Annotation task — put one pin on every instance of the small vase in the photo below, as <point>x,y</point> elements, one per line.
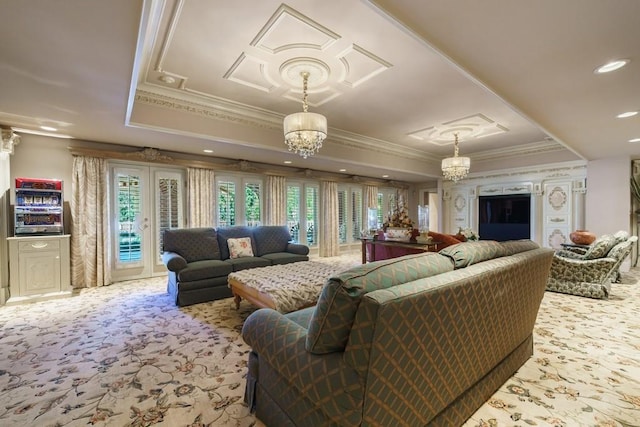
<point>582,237</point>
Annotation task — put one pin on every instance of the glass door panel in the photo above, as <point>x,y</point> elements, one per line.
<point>145,202</point>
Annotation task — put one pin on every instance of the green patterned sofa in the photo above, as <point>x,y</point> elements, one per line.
<point>419,340</point>
<point>590,273</point>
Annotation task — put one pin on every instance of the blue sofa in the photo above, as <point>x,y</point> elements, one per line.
<point>198,260</point>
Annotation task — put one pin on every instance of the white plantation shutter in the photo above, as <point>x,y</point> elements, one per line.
<point>226,203</point>
<point>343,216</point>
<point>356,214</point>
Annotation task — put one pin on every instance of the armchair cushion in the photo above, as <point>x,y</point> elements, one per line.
<point>600,247</point>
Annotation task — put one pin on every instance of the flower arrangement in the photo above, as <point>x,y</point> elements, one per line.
<point>398,218</point>
<point>469,234</point>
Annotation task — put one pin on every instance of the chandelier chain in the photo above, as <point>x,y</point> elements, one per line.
<point>305,81</point>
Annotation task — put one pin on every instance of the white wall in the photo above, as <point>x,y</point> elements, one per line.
<point>5,190</point>
<point>608,198</point>
<point>42,157</point>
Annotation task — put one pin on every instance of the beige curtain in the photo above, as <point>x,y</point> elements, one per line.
<point>370,196</point>
<point>329,233</point>
<point>90,235</point>
<point>276,201</point>
<point>200,194</point>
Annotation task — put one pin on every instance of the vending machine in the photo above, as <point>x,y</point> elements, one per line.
<point>38,208</point>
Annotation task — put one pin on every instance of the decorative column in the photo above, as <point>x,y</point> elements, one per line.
<point>579,189</point>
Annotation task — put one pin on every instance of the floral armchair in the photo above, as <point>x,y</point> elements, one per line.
<point>590,274</point>
<point>599,248</point>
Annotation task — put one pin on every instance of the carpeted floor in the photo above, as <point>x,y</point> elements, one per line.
<point>124,355</point>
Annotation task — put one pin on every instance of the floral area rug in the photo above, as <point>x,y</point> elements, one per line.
<point>585,370</point>
<point>125,355</point>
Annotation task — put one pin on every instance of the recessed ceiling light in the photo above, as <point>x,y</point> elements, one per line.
<point>634,140</point>
<point>49,128</point>
<point>385,176</point>
<point>208,151</point>
<point>287,162</point>
<point>627,114</point>
<point>611,66</point>
<point>342,170</point>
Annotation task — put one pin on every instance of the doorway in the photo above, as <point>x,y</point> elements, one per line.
<point>145,201</point>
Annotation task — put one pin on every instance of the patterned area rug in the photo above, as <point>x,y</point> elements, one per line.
<point>124,355</point>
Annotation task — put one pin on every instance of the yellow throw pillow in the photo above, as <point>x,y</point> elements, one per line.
<point>239,248</point>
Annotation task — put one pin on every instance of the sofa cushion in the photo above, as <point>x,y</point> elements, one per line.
<point>284,258</point>
<point>468,253</point>
<point>247,262</point>
<point>240,248</point>
<point>193,244</point>
<point>225,233</point>
<point>516,246</point>
<point>270,239</point>
<point>332,319</point>
<point>204,269</point>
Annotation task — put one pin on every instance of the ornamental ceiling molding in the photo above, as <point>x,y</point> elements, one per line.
<point>541,147</point>
<point>567,169</point>
<point>226,110</point>
<point>230,111</point>
<point>220,110</point>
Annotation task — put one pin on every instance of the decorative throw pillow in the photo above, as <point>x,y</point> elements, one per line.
<point>239,248</point>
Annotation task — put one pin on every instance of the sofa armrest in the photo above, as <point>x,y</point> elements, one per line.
<point>173,261</point>
<point>297,248</point>
<point>280,342</point>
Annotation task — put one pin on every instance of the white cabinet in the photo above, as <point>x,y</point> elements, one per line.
<point>557,213</point>
<point>39,268</point>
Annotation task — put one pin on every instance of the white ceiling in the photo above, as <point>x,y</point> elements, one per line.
<point>395,78</point>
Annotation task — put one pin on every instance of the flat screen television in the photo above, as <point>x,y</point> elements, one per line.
<point>504,217</point>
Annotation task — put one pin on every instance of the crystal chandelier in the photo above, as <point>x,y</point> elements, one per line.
<point>455,168</point>
<point>304,132</point>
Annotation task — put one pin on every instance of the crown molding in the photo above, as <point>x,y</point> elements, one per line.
<point>230,111</point>
<point>540,147</point>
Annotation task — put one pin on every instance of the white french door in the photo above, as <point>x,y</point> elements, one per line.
<point>145,201</point>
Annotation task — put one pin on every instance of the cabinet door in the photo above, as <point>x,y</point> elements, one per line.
<point>557,214</point>
<point>39,272</point>
<point>459,212</point>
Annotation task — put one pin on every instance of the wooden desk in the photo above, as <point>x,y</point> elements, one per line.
<point>425,247</point>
